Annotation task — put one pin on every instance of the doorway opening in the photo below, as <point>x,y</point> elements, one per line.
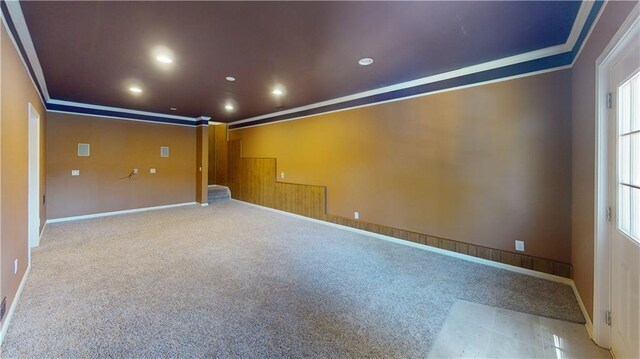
<point>34,179</point>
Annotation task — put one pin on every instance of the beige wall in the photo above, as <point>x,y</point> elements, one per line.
<point>117,147</point>
<point>583,148</point>
<point>16,93</point>
<point>485,165</point>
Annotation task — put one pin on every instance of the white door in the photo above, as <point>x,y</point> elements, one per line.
<point>34,178</point>
<point>625,195</point>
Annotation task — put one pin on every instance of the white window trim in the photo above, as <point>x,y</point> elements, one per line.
<point>602,266</point>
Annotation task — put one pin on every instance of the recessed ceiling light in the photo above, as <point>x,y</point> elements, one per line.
<point>229,107</point>
<point>366,61</point>
<point>165,59</point>
<point>230,78</point>
<point>135,89</point>
<point>173,109</point>
<point>277,92</point>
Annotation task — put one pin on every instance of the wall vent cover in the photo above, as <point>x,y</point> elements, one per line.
<point>3,307</point>
<point>84,149</point>
<point>164,151</point>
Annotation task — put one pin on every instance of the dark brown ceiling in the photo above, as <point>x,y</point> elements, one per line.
<point>89,50</point>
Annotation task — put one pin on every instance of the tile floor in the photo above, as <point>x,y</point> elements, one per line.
<point>474,330</point>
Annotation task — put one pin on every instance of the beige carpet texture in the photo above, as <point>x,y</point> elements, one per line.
<point>232,280</point>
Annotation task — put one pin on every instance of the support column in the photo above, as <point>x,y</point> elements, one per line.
<point>202,160</point>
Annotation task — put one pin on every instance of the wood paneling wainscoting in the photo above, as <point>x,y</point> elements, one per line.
<point>253,180</point>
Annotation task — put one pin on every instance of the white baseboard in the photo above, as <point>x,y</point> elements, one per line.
<point>40,235</point>
<point>14,304</point>
<point>105,214</point>
<point>204,204</point>
<point>469,258</point>
<point>588,324</point>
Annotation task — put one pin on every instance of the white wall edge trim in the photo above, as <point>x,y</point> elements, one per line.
<point>118,109</point>
<point>14,304</point>
<point>115,213</point>
<point>577,26</point>
<point>24,63</point>
<point>551,277</point>
<point>15,11</point>
<point>204,204</point>
<point>601,238</point>
<point>120,118</point>
<point>405,98</point>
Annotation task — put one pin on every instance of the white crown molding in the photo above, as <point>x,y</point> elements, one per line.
<point>119,110</point>
<point>24,63</point>
<point>578,24</point>
<point>17,16</point>
<point>15,11</point>
<point>120,118</point>
<point>586,38</point>
<point>448,89</point>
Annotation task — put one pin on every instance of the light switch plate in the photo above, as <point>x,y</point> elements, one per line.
<point>520,246</point>
<point>75,172</point>
<point>356,215</point>
<point>153,170</point>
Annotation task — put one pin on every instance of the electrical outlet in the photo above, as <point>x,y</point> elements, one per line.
<point>135,171</point>
<point>356,215</point>
<point>15,266</point>
<point>152,170</point>
<point>281,174</point>
<point>520,246</point>
<point>75,172</point>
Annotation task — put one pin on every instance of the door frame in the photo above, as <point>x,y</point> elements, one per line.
<point>603,158</point>
<point>33,179</point>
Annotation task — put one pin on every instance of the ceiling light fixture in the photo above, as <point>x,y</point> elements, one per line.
<point>365,61</point>
<point>229,107</point>
<point>165,59</point>
<point>173,109</point>
<point>277,92</point>
<point>135,89</point>
<point>230,78</point>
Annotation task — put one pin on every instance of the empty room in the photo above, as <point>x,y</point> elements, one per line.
<point>320,179</point>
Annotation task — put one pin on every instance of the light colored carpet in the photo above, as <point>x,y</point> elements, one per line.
<point>231,280</point>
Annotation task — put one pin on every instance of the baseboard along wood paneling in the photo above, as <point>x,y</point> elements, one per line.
<point>254,180</point>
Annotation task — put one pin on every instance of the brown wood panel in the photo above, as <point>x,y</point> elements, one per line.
<point>218,166</point>
<point>254,180</point>
<point>212,155</point>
